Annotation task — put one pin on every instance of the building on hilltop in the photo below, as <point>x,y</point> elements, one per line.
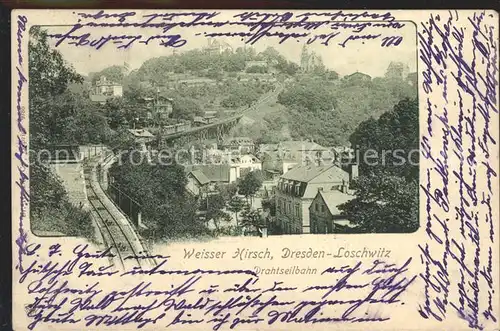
<point>397,70</point>
<point>357,78</point>
<point>310,61</point>
<point>105,89</point>
<point>158,107</point>
<point>297,189</point>
<point>412,78</point>
<point>216,47</point>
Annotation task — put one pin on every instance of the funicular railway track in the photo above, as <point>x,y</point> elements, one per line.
<point>194,130</point>
<point>119,233</point>
<point>116,231</point>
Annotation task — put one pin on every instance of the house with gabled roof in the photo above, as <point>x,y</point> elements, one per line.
<point>297,189</point>
<point>324,212</point>
<point>198,183</point>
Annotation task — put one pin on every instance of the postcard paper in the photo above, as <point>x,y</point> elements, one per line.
<point>255,169</point>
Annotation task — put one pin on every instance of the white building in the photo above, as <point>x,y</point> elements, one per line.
<point>105,89</point>
<point>243,164</point>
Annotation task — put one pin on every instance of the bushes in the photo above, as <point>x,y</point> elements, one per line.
<point>51,209</point>
<point>167,209</point>
<point>327,112</point>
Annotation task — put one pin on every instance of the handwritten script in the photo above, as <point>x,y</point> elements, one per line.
<point>73,291</point>
<point>459,78</point>
<point>22,145</point>
<point>166,29</point>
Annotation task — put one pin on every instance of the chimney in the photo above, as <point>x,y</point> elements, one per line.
<point>318,158</point>
<point>344,187</point>
<point>353,172</point>
<point>307,161</point>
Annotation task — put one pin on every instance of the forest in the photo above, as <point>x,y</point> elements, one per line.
<point>327,109</point>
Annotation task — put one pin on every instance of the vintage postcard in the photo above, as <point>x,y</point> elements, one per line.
<point>255,170</point>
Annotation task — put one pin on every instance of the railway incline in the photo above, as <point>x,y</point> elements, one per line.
<point>118,233</point>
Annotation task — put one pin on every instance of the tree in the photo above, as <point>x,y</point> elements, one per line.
<point>235,205</point>
<point>115,111</point>
<point>269,204</point>
<point>114,73</point>
<point>214,209</point>
<point>185,108</point>
<point>233,63</point>
<point>250,184</point>
<point>251,219</point>
<point>215,74</point>
<point>387,189</point>
<point>168,209</point>
<point>331,75</point>
<point>328,112</point>
<point>49,77</point>
<point>227,191</point>
<point>57,115</point>
<point>242,95</point>
<point>292,68</point>
<point>257,69</point>
<point>271,55</point>
<point>395,131</point>
<point>384,204</point>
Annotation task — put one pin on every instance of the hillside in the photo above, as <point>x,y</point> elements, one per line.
<point>325,110</point>
<point>317,106</point>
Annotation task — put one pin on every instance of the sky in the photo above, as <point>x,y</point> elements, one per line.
<point>369,58</point>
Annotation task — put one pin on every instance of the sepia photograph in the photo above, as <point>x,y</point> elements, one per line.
<point>221,139</point>
<point>267,170</point>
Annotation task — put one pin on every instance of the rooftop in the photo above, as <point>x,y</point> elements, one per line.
<point>214,172</point>
<point>245,159</point>
<point>335,198</point>
<point>358,74</point>
<point>306,173</point>
<point>298,145</point>
<point>200,177</point>
<point>141,133</point>
<point>103,81</point>
<point>237,140</point>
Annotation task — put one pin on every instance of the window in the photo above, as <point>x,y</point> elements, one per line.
<point>316,207</point>
<point>322,208</point>
<point>297,211</point>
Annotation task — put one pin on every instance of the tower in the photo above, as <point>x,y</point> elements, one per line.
<point>304,59</point>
